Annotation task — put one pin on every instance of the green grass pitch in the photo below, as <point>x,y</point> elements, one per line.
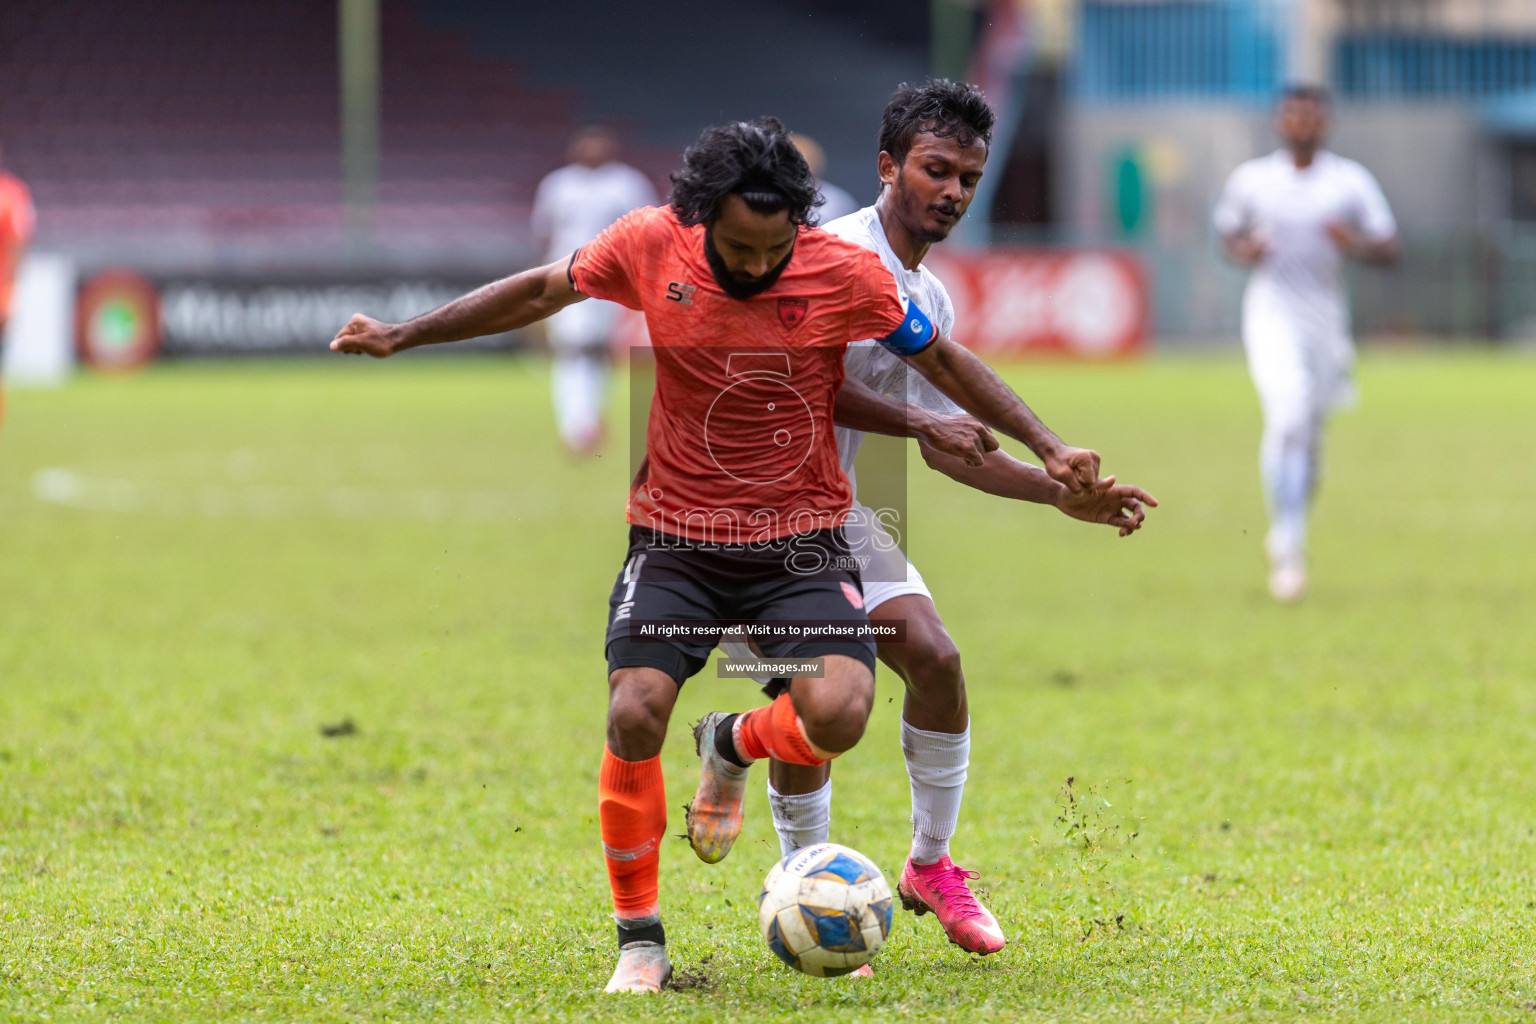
<point>1322,811</point>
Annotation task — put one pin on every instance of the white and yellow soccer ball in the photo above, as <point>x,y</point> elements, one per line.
<point>825,910</point>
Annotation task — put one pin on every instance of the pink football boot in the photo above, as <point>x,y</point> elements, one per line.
<point>943,889</point>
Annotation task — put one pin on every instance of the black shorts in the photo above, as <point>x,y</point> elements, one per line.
<point>809,578</point>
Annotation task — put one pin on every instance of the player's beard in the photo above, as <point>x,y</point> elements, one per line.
<point>913,213</point>
<point>734,286</point>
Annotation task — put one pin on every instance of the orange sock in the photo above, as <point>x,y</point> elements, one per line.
<point>632,806</point>
<point>774,731</point>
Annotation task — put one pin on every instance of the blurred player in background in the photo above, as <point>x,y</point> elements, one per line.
<point>17,220</point>
<point>933,147</point>
<point>1295,216</point>
<point>571,207</point>
<point>835,202</point>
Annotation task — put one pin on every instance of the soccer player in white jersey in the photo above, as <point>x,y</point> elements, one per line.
<point>933,144</point>
<point>571,207</point>
<point>1295,216</point>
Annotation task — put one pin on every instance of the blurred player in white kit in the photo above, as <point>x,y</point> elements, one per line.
<point>1294,216</point>
<point>571,207</point>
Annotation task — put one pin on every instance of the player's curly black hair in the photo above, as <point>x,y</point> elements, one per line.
<point>937,107</point>
<point>754,159</point>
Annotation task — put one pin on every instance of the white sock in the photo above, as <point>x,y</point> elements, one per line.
<point>936,764</point>
<point>801,819</point>
<point>1288,465</point>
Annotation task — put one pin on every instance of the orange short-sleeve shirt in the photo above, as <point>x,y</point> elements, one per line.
<point>17,217</point>
<point>740,444</point>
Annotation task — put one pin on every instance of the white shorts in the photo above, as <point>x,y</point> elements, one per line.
<point>1300,356</point>
<point>885,571</point>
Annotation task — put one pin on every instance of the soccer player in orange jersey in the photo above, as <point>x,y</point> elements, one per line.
<point>736,512</point>
<point>17,220</point>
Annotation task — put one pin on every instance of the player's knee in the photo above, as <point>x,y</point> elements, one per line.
<point>639,706</point>
<point>834,714</point>
<point>836,727</point>
<point>1288,427</point>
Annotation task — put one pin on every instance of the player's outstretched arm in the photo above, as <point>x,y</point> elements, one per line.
<point>1107,503</point>
<point>962,438</point>
<point>999,474</point>
<point>956,371</point>
<point>504,305</point>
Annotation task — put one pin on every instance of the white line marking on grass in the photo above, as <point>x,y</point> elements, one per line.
<point>59,485</point>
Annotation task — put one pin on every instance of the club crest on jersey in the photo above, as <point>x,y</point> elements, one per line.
<point>792,312</point>
<point>853,594</point>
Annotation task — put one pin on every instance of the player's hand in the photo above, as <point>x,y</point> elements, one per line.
<point>965,437</point>
<point>1343,237</point>
<point>364,336</point>
<point>1247,249</point>
<point>1110,504</point>
<point>1076,469</point>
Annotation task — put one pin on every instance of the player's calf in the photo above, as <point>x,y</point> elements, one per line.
<point>928,662</point>
<point>936,698</point>
<point>632,814</point>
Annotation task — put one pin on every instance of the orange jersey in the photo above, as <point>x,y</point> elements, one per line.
<point>739,445</point>
<point>17,217</point>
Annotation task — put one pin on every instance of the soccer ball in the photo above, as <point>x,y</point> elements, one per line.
<point>825,910</point>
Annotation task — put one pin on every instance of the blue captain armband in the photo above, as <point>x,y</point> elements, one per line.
<point>914,335</point>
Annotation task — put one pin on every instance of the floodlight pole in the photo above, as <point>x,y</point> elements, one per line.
<point>358,23</point>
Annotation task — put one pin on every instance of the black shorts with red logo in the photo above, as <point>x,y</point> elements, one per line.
<point>800,582</point>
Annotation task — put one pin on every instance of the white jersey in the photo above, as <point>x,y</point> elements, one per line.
<point>574,204</point>
<point>872,364</point>
<point>1289,209</point>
